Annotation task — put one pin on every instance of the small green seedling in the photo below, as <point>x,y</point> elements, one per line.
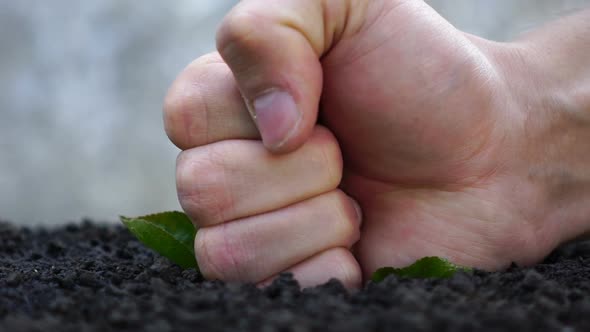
<point>172,235</point>
<point>427,267</point>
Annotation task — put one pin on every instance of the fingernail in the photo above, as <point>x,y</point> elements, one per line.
<point>359,212</point>
<point>276,116</point>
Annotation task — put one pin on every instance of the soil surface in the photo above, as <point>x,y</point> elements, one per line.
<point>97,277</point>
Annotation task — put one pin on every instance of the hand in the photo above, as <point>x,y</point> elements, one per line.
<point>258,214</point>
<point>437,145</point>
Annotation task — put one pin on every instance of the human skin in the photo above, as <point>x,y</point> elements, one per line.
<point>440,142</point>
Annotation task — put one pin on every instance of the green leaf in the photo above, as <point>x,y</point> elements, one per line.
<point>427,267</point>
<point>171,234</point>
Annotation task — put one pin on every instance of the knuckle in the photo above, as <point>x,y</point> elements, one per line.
<point>186,107</point>
<point>348,270</point>
<point>206,266</point>
<point>207,59</point>
<point>214,257</point>
<point>175,115</point>
<point>200,184</point>
<point>237,30</point>
<point>330,156</point>
<point>348,222</point>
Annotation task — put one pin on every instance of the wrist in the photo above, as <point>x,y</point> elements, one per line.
<point>555,131</point>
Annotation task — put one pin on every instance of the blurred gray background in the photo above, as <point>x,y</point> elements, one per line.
<point>81,90</point>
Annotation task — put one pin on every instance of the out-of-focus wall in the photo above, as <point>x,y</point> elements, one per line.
<point>81,90</point>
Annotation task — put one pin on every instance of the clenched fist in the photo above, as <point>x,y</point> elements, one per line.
<point>432,133</point>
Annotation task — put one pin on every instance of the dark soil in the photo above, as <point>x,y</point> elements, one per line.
<point>89,277</point>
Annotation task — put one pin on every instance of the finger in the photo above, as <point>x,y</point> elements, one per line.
<point>273,49</point>
<point>203,106</point>
<point>234,179</point>
<point>335,263</point>
<point>255,248</point>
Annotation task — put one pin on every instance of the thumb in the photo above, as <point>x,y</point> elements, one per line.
<point>273,49</point>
